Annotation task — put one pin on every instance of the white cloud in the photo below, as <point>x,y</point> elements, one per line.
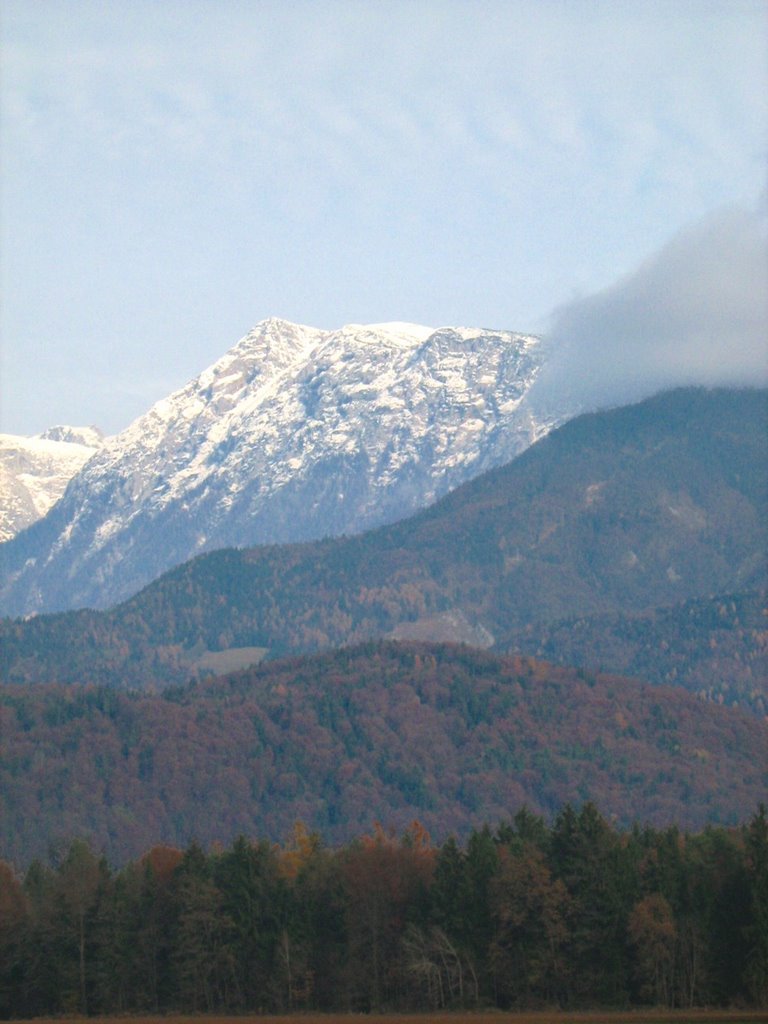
<point>570,78</point>
<point>696,312</point>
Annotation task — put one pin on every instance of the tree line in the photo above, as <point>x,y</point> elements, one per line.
<point>573,914</point>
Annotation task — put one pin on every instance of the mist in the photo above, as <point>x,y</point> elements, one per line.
<point>694,313</point>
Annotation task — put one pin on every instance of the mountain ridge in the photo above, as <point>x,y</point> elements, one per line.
<point>294,434</point>
<point>678,514</point>
<point>35,471</point>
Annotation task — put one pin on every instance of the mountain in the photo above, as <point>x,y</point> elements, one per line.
<point>296,433</point>
<point>716,647</point>
<point>452,736</point>
<point>614,513</point>
<point>34,472</point>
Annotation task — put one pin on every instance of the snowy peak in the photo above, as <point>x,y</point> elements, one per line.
<point>399,331</point>
<point>91,437</point>
<point>253,364</point>
<point>295,433</point>
<point>272,345</point>
<point>34,472</point>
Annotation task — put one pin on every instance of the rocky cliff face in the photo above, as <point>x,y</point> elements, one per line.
<point>296,433</point>
<point>34,472</point>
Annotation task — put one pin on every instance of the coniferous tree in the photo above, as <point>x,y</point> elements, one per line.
<point>14,914</point>
<point>756,968</point>
<point>524,916</point>
<point>588,857</point>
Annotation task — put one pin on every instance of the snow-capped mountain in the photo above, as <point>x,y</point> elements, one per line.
<point>296,433</point>
<point>35,470</point>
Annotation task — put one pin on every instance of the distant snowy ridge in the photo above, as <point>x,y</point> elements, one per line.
<point>295,433</point>
<point>90,437</point>
<point>34,471</point>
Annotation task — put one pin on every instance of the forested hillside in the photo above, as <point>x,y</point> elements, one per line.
<point>716,647</point>
<point>616,513</point>
<point>450,735</point>
<point>604,543</point>
<point>576,914</point>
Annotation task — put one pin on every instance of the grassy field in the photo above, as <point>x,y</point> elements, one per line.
<point>489,1017</point>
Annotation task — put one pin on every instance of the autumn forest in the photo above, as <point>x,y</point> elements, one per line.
<point>549,689</point>
<point>526,915</point>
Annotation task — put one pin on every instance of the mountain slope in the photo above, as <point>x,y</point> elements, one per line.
<point>296,433</point>
<point>453,736</point>
<point>716,647</point>
<point>34,472</point>
<point>615,512</point>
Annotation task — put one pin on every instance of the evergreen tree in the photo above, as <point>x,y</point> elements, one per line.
<point>756,967</point>
<point>594,866</point>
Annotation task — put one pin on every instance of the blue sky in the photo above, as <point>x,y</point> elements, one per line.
<point>174,172</point>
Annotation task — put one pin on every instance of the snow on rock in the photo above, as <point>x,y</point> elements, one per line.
<point>90,437</point>
<point>34,471</point>
<point>295,433</point>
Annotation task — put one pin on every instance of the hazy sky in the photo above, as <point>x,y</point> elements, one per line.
<point>172,172</point>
